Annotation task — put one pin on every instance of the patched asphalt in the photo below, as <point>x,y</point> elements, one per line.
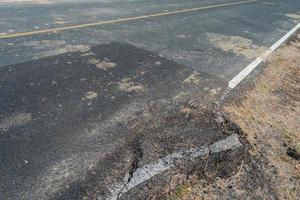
<point>81,112</point>
<point>81,109</point>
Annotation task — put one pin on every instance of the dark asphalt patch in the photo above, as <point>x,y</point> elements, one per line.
<point>74,124</point>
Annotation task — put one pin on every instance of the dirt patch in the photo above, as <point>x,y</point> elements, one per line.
<point>91,95</point>
<point>127,85</point>
<point>44,43</point>
<point>14,120</point>
<point>295,17</point>
<point>54,47</point>
<point>102,64</point>
<point>268,113</point>
<point>236,44</point>
<point>59,20</point>
<point>65,49</point>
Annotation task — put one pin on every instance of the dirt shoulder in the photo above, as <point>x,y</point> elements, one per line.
<point>269,115</point>
<point>268,112</point>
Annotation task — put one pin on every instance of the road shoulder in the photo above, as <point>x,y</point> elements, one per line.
<point>267,110</point>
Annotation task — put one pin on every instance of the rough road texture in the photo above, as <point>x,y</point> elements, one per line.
<point>75,124</point>
<point>84,109</point>
<point>268,113</point>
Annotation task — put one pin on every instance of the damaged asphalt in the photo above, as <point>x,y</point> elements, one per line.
<point>86,114</point>
<point>83,113</point>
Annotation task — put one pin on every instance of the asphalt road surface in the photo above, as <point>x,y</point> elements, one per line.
<point>108,87</point>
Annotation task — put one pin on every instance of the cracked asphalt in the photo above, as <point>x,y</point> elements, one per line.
<point>81,110</point>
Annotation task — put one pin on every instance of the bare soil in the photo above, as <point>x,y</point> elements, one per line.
<point>268,112</point>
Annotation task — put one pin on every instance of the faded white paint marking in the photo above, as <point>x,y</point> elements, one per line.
<point>192,78</point>
<point>247,70</point>
<point>146,172</point>
<point>231,142</point>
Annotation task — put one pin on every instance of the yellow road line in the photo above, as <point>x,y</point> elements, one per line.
<point>121,20</point>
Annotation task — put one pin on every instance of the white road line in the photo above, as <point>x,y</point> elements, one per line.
<point>146,172</point>
<point>120,20</point>
<point>247,70</point>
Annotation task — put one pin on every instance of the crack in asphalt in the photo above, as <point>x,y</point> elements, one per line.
<point>137,156</point>
<point>139,175</point>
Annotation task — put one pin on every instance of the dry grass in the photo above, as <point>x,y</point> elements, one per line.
<point>269,115</point>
